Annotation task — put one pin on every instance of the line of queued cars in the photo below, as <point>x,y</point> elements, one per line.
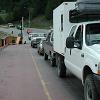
<point>37,40</point>
<point>45,47</point>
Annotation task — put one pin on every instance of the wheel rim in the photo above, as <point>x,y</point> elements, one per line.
<point>89,93</point>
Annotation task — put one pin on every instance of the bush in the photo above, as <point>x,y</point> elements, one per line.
<point>9,17</point>
<point>52,4</point>
<point>49,10</point>
<point>1,20</point>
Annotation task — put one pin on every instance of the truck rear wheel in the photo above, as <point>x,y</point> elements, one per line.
<point>52,61</point>
<point>90,92</point>
<point>33,46</point>
<point>45,56</point>
<point>61,68</point>
<point>39,52</point>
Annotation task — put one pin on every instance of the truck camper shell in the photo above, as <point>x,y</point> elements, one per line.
<point>61,25</point>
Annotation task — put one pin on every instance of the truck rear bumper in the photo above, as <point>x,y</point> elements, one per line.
<point>97,82</point>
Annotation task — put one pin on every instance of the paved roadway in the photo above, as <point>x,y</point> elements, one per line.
<point>69,88</point>
<point>24,75</point>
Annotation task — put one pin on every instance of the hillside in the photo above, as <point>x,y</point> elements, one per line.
<point>40,22</point>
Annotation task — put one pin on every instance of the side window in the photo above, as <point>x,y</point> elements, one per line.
<point>52,36</point>
<point>48,37</point>
<point>79,33</point>
<point>61,22</point>
<point>72,31</point>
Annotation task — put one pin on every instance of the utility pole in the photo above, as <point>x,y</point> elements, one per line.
<point>22,22</point>
<point>22,29</point>
<point>29,18</point>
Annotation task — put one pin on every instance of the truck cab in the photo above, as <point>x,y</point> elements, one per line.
<point>82,54</point>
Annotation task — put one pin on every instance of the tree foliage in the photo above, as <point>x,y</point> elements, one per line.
<point>1,20</point>
<point>19,8</point>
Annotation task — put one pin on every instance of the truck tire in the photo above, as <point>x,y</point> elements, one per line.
<point>61,68</point>
<point>39,52</point>
<point>52,61</point>
<point>33,46</point>
<point>90,92</point>
<point>45,56</point>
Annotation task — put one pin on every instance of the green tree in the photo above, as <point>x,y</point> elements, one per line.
<point>1,20</point>
<point>18,8</point>
<point>9,17</point>
<point>52,4</point>
<point>38,6</point>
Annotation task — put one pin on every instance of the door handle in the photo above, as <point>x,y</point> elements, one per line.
<point>82,55</point>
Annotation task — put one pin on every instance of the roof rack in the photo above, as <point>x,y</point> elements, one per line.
<point>75,16</point>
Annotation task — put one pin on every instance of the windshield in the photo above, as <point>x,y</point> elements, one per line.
<point>38,35</point>
<point>93,34</point>
<point>35,35</point>
<point>42,35</point>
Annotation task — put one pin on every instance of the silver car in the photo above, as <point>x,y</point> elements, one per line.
<point>40,48</point>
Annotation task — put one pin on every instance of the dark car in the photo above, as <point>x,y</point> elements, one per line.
<point>34,42</point>
<point>48,48</point>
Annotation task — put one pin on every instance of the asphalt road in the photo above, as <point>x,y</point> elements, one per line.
<point>24,75</point>
<point>69,88</point>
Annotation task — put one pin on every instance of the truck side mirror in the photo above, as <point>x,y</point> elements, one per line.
<point>70,42</point>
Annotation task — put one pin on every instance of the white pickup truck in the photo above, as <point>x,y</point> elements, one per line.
<point>82,56</point>
<point>77,47</point>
